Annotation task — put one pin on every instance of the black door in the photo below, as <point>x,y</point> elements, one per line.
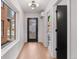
<point>32,29</point>
<point>61,15</point>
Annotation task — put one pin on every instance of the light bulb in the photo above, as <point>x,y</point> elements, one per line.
<point>29,4</point>
<point>33,8</point>
<point>37,5</point>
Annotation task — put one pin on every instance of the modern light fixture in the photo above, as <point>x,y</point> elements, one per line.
<point>33,4</point>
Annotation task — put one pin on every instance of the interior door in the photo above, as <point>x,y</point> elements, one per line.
<point>61,15</point>
<point>32,29</point>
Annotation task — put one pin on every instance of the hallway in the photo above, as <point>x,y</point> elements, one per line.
<point>38,29</point>
<point>34,51</point>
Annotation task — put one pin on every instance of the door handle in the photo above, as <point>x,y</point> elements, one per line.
<point>56,30</point>
<point>57,49</point>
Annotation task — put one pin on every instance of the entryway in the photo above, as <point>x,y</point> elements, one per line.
<point>32,29</point>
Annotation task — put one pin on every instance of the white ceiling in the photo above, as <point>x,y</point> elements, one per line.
<point>27,9</point>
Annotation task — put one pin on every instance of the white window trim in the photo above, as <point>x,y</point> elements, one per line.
<point>8,47</point>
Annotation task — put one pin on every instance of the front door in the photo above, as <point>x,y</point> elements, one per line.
<point>61,15</point>
<point>32,29</point>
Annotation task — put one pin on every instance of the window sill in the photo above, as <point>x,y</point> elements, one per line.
<point>8,47</point>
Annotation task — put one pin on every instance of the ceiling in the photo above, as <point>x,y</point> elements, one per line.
<point>27,9</point>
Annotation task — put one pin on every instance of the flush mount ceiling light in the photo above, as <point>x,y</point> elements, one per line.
<point>33,5</point>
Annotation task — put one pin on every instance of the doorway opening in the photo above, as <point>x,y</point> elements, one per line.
<point>32,29</point>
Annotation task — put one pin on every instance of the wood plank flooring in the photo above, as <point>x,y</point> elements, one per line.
<point>34,51</point>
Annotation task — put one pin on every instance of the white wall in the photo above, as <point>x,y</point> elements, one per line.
<point>40,26</point>
<point>63,2</point>
<point>54,32</point>
<point>45,30</point>
<point>13,52</point>
<point>73,29</point>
